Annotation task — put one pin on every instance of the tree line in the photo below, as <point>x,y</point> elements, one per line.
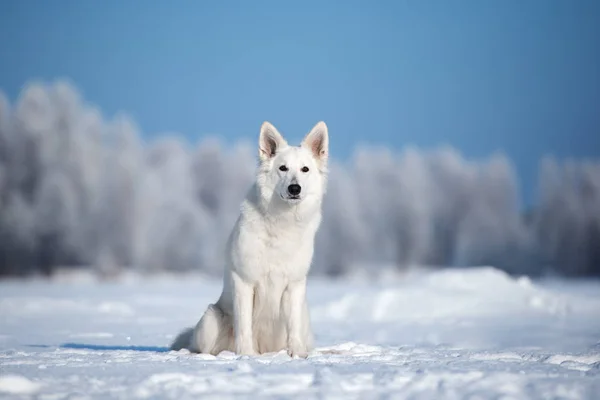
<point>80,191</point>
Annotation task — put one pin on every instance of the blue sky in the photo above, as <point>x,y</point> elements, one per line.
<point>521,77</point>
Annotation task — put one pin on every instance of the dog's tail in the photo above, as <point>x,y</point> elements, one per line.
<point>183,340</point>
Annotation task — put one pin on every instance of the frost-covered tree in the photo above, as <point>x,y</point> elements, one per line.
<point>116,216</point>
<point>340,241</point>
<point>176,232</point>
<point>4,132</point>
<point>492,231</point>
<point>77,190</point>
<point>567,222</point>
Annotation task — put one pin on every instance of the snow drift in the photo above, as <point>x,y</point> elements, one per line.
<point>449,334</point>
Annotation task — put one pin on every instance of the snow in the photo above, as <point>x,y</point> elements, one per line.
<point>471,333</point>
<point>15,384</point>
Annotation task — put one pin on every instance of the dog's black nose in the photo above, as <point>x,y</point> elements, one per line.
<point>294,189</point>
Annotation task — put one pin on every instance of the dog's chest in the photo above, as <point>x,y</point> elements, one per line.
<point>276,254</point>
<point>285,253</point>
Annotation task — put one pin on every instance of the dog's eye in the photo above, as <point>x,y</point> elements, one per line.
<point>304,169</point>
<point>283,168</point>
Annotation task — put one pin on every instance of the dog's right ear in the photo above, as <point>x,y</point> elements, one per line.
<point>269,142</point>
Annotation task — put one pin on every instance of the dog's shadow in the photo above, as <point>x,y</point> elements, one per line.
<point>99,347</point>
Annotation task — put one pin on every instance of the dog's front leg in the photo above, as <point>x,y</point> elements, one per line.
<point>243,300</point>
<point>296,341</point>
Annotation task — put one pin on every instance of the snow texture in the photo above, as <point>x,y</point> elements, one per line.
<point>453,334</point>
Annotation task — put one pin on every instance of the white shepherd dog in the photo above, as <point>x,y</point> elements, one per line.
<point>263,305</point>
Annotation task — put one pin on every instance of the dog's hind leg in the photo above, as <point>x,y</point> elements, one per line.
<point>213,333</point>
<point>183,340</point>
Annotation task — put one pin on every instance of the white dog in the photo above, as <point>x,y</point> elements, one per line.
<point>263,305</point>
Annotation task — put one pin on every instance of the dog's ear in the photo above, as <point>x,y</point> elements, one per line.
<point>269,142</point>
<point>317,141</point>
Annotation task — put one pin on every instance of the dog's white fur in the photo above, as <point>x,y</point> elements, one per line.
<point>263,306</point>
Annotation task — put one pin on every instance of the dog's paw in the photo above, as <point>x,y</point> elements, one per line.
<point>297,353</point>
<point>296,349</point>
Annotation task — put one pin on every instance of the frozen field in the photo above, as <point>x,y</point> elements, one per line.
<point>473,334</point>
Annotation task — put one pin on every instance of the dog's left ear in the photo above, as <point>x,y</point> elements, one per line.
<point>270,141</point>
<point>317,141</point>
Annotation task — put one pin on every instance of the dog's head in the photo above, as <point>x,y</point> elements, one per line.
<point>293,174</point>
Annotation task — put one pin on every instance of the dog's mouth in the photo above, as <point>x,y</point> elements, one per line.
<point>291,198</point>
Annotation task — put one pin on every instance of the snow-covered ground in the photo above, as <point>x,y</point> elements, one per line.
<point>472,333</point>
